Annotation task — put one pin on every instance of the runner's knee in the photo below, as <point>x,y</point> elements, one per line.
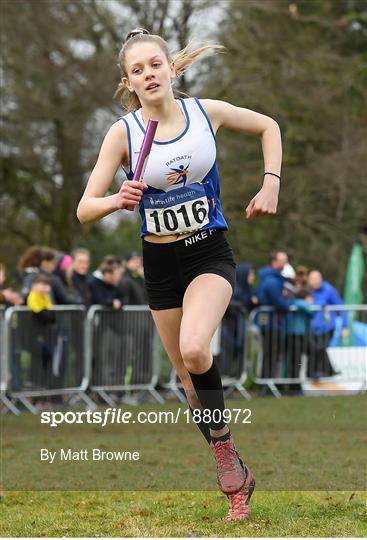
<point>196,357</point>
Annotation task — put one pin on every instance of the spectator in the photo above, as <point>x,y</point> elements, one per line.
<point>105,291</point>
<point>323,324</point>
<point>62,292</point>
<point>29,266</point>
<point>298,330</point>
<point>133,288</point>
<point>244,294</point>
<point>107,354</point>
<point>273,324</point>
<point>43,330</point>
<point>233,328</point>
<point>108,259</point>
<point>271,287</point>
<point>8,296</point>
<point>132,284</point>
<point>80,276</point>
<point>43,259</point>
<point>64,268</point>
<point>39,299</point>
<point>301,278</point>
<point>289,285</point>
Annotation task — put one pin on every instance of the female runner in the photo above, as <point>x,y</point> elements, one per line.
<point>188,264</point>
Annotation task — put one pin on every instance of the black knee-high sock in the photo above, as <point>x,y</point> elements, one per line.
<point>204,428</point>
<point>209,389</point>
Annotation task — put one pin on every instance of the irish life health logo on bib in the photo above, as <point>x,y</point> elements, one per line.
<point>181,210</point>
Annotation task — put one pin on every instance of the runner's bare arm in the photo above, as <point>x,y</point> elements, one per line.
<point>226,115</point>
<point>223,114</point>
<point>114,151</point>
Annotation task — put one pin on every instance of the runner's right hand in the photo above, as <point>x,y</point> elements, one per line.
<point>130,193</point>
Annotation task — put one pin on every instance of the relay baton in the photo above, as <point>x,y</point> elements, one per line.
<point>144,153</point>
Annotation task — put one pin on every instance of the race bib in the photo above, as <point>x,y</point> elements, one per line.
<point>178,211</point>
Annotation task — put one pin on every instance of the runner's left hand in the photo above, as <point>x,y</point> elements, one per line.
<point>264,203</point>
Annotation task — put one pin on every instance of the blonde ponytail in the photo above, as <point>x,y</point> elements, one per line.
<point>184,58</point>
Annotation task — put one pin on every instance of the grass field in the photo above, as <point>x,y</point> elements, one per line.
<point>182,514</point>
<point>308,456</point>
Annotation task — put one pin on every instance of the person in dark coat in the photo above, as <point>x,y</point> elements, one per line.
<point>233,328</point>
<point>108,359</point>
<point>80,277</point>
<point>29,266</point>
<point>8,297</point>
<point>105,291</point>
<point>244,294</point>
<point>43,259</point>
<point>132,284</point>
<point>62,293</point>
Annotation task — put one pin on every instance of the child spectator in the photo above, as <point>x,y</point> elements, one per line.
<point>43,332</point>
<point>39,299</point>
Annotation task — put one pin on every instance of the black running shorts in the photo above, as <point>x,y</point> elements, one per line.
<point>170,268</point>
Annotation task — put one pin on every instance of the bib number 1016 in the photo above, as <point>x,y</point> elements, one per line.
<point>187,217</point>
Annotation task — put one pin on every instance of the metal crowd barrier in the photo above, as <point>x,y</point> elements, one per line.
<point>285,348</point>
<point>122,351</point>
<point>4,371</point>
<point>228,348</point>
<point>44,359</point>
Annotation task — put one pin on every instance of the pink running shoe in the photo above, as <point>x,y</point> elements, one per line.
<point>230,473</point>
<point>239,502</point>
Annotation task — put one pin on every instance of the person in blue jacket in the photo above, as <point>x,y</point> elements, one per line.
<point>324,294</point>
<point>323,324</point>
<point>273,324</point>
<point>298,332</point>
